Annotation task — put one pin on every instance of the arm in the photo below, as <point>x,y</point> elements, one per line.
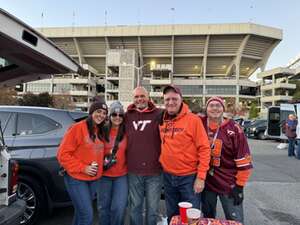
<point>66,151</point>
<point>244,166</point>
<point>242,158</point>
<point>203,149</point>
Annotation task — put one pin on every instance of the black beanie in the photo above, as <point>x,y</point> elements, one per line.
<point>98,104</point>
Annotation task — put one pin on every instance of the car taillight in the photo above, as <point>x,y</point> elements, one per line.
<point>13,177</point>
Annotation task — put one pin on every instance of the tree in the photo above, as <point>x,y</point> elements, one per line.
<point>42,99</point>
<point>195,104</point>
<point>296,92</point>
<point>63,102</point>
<point>45,99</point>
<point>233,110</point>
<point>230,107</point>
<point>253,112</point>
<point>296,96</point>
<point>8,96</point>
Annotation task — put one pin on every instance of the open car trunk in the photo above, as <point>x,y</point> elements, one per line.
<point>27,55</point>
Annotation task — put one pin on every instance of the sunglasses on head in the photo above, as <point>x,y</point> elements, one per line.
<point>117,114</point>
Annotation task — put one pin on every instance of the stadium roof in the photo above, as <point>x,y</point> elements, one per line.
<point>211,49</point>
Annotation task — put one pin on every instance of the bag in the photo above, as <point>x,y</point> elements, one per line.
<point>109,161</point>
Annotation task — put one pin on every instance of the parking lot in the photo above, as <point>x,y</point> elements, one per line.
<point>271,197</point>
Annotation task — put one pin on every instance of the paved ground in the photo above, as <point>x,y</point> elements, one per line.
<point>272,197</point>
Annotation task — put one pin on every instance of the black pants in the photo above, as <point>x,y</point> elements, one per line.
<point>231,211</point>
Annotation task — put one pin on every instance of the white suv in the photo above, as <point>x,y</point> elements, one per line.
<point>25,55</point>
<point>11,209</point>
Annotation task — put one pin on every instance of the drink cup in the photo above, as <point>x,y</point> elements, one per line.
<point>193,216</point>
<point>183,206</point>
<point>95,165</point>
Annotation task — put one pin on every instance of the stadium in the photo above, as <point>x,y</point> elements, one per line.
<point>203,60</point>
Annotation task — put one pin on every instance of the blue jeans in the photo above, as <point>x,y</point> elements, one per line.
<point>82,194</point>
<point>112,198</point>
<point>291,148</point>
<point>179,189</point>
<point>231,211</point>
<point>150,187</point>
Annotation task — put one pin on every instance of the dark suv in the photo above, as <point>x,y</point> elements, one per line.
<point>33,135</point>
<point>257,129</point>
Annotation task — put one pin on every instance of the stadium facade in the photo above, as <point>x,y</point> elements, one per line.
<point>203,60</point>
<point>278,84</point>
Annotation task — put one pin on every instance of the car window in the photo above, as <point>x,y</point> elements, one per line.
<point>3,119</point>
<point>8,123</point>
<point>257,122</point>
<point>247,122</point>
<point>29,124</point>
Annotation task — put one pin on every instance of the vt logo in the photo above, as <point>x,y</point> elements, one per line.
<point>140,125</point>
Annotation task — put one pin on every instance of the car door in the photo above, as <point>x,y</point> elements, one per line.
<point>274,125</point>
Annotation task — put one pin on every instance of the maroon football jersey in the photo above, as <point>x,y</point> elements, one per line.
<point>235,155</point>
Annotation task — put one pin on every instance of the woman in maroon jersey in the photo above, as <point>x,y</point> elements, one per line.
<point>230,165</point>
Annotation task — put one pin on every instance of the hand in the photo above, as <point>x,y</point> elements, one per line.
<point>198,185</point>
<point>237,194</point>
<point>91,170</point>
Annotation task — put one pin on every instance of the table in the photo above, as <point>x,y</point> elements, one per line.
<point>206,221</point>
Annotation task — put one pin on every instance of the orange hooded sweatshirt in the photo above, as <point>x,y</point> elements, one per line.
<point>185,148</point>
<point>77,151</point>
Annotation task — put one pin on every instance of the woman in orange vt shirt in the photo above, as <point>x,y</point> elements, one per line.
<point>81,155</point>
<point>113,188</point>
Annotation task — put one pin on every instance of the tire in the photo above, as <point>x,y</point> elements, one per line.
<point>32,193</point>
<point>261,136</point>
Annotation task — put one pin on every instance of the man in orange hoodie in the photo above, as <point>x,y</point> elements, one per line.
<point>185,152</point>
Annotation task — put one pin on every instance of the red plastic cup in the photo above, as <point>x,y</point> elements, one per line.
<point>183,206</point>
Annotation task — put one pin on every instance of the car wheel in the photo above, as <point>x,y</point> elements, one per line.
<point>32,193</point>
<point>261,136</point>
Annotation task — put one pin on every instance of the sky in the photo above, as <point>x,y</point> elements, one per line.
<point>282,14</point>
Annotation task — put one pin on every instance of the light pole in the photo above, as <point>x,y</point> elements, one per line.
<point>139,68</point>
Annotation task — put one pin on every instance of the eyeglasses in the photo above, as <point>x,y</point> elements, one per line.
<point>116,114</point>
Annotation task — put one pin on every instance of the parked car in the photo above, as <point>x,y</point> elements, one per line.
<point>257,129</point>
<point>277,116</point>
<point>244,123</point>
<point>33,135</point>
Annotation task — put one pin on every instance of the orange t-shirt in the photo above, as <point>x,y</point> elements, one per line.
<point>120,168</point>
<point>77,151</point>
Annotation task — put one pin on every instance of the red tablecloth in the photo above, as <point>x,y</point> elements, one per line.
<point>205,221</point>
